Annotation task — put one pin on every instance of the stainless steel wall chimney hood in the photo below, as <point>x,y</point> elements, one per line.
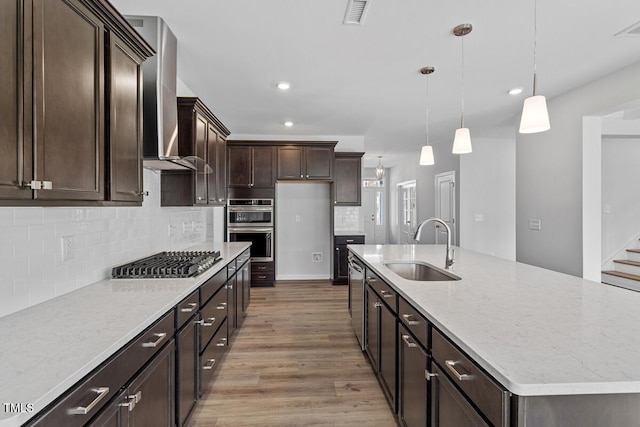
<point>160,112</point>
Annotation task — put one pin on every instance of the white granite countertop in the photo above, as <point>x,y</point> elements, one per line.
<point>47,348</point>
<point>349,233</point>
<point>538,332</point>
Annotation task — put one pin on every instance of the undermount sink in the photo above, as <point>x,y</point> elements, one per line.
<point>419,271</point>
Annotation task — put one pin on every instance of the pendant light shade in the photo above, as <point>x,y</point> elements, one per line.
<point>426,153</point>
<point>379,169</point>
<point>535,117</point>
<point>462,141</point>
<point>426,156</point>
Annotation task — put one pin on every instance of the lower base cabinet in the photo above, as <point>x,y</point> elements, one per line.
<point>412,384</point>
<point>186,371</point>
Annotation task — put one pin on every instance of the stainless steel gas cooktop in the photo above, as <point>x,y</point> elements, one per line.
<point>174,264</point>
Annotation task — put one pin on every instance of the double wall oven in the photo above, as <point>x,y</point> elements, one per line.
<point>251,220</point>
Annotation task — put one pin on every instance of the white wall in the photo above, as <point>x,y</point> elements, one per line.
<point>31,247</point>
<point>409,169</point>
<point>620,190</point>
<point>488,198</point>
<point>549,174</point>
<point>297,241</point>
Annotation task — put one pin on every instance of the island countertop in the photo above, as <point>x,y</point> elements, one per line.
<point>538,332</point>
<point>47,348</point>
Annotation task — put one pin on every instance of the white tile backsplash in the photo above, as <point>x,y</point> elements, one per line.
<point>31,244</point>
<point>347,218</point>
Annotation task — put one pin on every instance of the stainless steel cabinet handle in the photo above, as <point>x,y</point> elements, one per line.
<point>350,240</point>
<point>47,185</point>
<point>451,365</point>
<point>262,277</point>
<point>153,344</point>
<point>199,322</point>
<point>410,319</point>
<point>133,399</point>
<point>200,198</point>
<point>209,364</point>
<point>386,294</point>
<point>209,321</point>
<point>222,343</point>
<point>410,344</point>
<point>84,410</point>
<point>222,306</point>
<point>371,280</point>
<point>230,286</point>
<point>428,375</point>
<point>190,308</point>
<point>377,304</point>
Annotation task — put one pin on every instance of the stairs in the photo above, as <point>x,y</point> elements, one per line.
<point>626,272</point>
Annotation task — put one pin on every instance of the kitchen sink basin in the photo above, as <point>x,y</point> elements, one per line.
<point>419,271</point>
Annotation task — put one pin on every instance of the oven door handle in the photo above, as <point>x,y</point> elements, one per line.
<point>251,230</point>
<point>249,209</point>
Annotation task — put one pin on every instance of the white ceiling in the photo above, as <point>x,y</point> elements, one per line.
<point>364,80</point>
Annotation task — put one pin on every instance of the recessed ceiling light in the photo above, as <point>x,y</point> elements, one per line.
<point>288,123</point>
<point>283,85</point>
<point>515,91</point>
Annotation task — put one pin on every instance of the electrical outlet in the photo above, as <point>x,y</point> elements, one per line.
<point>68,248</point>
<point>316,256</point>
<point>297,218</point>
<point>479,217</point>
<point>535,224</point>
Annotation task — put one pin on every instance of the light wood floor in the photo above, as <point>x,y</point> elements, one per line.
<point>295,362</point>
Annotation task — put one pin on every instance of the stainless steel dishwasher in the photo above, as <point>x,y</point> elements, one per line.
<point>356,299</point>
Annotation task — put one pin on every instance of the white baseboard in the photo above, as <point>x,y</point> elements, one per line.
<point>303,277</point>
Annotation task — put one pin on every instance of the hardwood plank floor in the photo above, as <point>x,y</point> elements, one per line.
<point>295,362</point>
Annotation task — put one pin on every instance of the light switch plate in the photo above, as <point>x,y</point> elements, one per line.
<point>68,248</point>
<point>535,224</point>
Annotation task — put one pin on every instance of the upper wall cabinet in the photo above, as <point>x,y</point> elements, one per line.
<point>203,138</point>
<point>305,162</point>
<point>250,166</point>
<point>347,181</point>
<point>66,139</point>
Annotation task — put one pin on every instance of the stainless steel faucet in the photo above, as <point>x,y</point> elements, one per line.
<point>449,258</point>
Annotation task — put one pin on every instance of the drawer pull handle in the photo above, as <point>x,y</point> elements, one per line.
<point>377,304</point>
<point>451,365</point>
<point>261,267</point>
<point>350,240</point>
<point>262,277</point>
<point>222,306</point>
<point>410,319</point>
<point>386,294</point>
<point>209,364</point>
<point>409,343</point>
<point>209,321</point>
<point>222,343</point>
<point>371,280</point>
<point>84,410</point>
<point>153,344</point>
<point>190,307</point>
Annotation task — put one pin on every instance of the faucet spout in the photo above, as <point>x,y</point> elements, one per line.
<point>449,254</point>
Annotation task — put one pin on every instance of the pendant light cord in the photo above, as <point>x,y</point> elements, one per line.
<point>462,84</point>
<point>535,43</point>
<point>427,110</point>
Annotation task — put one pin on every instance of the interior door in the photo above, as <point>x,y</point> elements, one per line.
<point>374,212</point>
<point>407,219</point>
<point>446,205</point>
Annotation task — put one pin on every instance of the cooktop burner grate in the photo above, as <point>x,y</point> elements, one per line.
<point>173,264</point>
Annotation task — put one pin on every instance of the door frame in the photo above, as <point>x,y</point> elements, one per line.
<point>440,177</point>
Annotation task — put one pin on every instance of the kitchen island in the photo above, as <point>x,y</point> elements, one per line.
<point>47,348</point>
<point>556,342</point>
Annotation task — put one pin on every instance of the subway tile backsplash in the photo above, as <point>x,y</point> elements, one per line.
<point>31,243</point>
<point>347,218</point>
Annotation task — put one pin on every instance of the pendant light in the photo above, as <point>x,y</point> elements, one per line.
<point>535,117</point>
<point>462,140</point>
<point>379,169</point>
<point>426,154</point>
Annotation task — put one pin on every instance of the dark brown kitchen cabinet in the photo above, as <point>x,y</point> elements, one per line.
<point>341,257</point>
<point>233,300</point>
<point>250,166</point>
<point>202,139</point>
<point>187,316</point>
<point>347,180</point>
<point>305,162</point>
<point>413,361</point>
<point>381,339</point>
<point>58,80</point>
<point>125,122</point>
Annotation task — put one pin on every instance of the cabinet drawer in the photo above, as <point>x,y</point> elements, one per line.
<point>210,358</point>
<point>413,321</point>
<point>232,267</point>
<point>349,240</point>
<point>243,257</point>
<point>263,277</point>
<point>212,285</point>
<point>262,267</point>
<point>213,314</point>
<point>88,396</point>
<point>384,291</point>
<point>187,308</point>
<point>481,389</point>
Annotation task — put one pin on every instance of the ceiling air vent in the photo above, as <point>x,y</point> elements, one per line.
<point>356,10</point>
<point>632,31</point>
